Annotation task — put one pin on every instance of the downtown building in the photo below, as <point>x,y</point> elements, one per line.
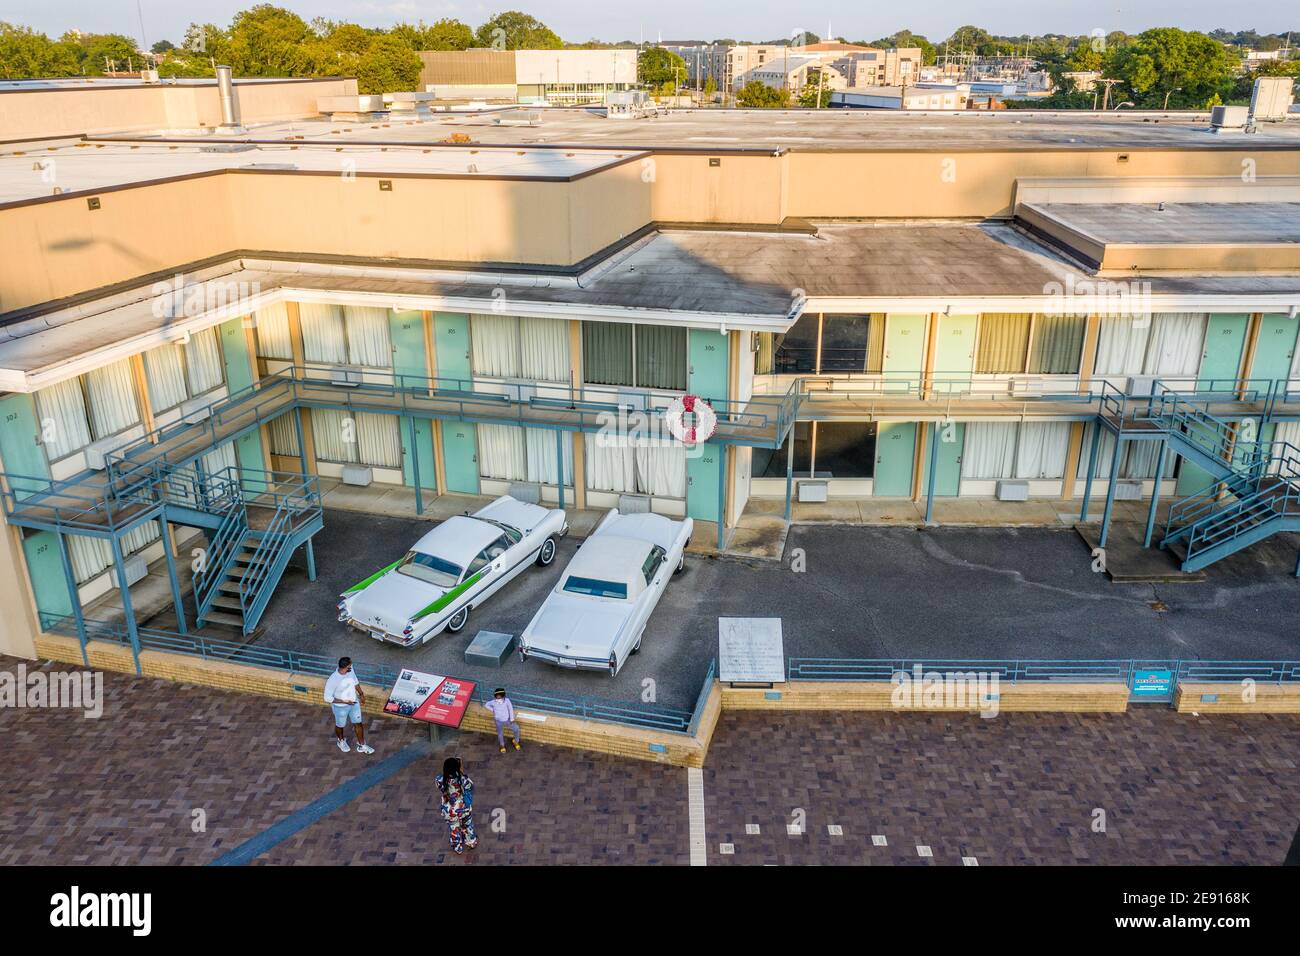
<point>207,329</point>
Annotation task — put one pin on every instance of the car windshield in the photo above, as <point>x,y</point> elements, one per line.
<point>591,587</point>
<point>429,569</point>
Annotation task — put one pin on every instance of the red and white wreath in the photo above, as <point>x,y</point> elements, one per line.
<point>706,419</point>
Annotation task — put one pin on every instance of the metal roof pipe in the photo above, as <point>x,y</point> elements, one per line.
<point>229,98</point>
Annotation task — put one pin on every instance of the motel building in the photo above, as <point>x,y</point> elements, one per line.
<point>209,320</point>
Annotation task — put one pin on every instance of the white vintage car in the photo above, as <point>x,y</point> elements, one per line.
<point>595,617</point>
<point>452,570</point>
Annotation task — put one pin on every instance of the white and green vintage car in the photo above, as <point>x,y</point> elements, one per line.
<point>452,570</point>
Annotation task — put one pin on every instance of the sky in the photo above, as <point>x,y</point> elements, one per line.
<point>578,20</point>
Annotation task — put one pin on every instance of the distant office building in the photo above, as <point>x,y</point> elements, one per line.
<point>903,97</point>
<point>792,71</point>
<point>875,67</point>
<point>537,77</point>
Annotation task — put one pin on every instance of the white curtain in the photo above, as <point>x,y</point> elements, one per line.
<point>221,458</point>
<point>661,469</point>
<point>1288,432</point>
<point>989,451</point>
<point>273,339</point>
<point>611,465</point>
<point>502,453</point>
<point>368,336</point>
<point>379,439</point>
<point>1122,345</point>
<point>335,435</point>
<point>541,455</point>
<point>110,393</point>
<point>140,538</point>
<point>544,344</point>
<point>89,556</point>
<point>64,427</point>
<point>203,361</point>
<point>1139,461</point>
<point>164,373</point>
<point>1177,339</point>
<point>494,345</point>
<point>284,435</point>
<point>323,338</point>
<point>1041,449</point>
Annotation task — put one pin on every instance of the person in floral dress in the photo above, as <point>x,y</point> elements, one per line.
<point>457,792</point>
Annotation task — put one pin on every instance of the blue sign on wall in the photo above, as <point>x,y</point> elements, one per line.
<point>1153,685</point>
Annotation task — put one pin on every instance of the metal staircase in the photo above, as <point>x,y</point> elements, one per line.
<point>1254,490</point>
<point>259,530</point>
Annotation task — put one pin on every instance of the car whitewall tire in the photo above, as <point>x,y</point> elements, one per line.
<point>458,620</point>
<point>547,553</point>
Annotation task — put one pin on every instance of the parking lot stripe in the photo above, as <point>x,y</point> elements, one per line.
<point>695,807</point>
<point>322,807</point>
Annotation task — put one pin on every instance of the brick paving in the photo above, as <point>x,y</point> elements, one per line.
<point>1017,789</point>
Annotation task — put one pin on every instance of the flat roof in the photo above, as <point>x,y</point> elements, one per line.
<point>1191,222</point>
<point>844,129</point>
<point>25,175</point>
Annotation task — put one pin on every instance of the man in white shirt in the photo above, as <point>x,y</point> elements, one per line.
<point>343,694</point>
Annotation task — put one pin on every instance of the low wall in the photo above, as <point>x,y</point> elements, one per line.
<point>676,749</point>
<point>856,695</point>
<point>1229,698</point>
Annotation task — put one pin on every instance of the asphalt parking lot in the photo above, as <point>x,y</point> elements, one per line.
<point>863,592</point>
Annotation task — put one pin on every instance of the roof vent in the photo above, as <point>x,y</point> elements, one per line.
<point>1227,117</point>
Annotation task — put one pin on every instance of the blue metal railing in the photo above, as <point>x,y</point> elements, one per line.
<point>195,645</point>
<point>1040,671</point>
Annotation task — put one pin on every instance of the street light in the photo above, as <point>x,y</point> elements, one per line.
<point>1176,89</point>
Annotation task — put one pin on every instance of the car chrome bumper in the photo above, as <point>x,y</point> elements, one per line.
<point>571,663</point>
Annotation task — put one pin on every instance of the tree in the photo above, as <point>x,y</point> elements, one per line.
<point>96,50</point>
<point>811,97</point>
<point>513,30</point>
<point>270,41</point>
<point>756,95</point>
<point>162,46</point>
<point>906,38</point>
<point>656,66</point>
<point>443,34</point>
<point>25,53</point>
<point>710,87</point>
<point>1192,68</point>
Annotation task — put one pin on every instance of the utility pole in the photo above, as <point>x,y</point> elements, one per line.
<point>1105,97</point>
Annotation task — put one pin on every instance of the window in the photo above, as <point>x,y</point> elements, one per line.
<point>1003,343</point>
<point>351,335</point>
<point>177,372</point>
<point>1057,344</point>
<point>430,569</point>
<point>630,468</point>
<point>368,438</point>
<point>643,356</point>
<point>997,450</point>
<point>849,343</point>
<point>845,449</point>
<point>111,399</point>
<point>591,587</point>
<point>771,464</point>
<point>64,426</point>
<point>507,346</point>
<point>273,338</point>
<point>514,453</point>
<point>1165,344</point>
<point>653,562</point>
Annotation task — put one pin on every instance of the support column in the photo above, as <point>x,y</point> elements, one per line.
<point>132,629</point>
<point>75,598</point>
<point>1110,491</point>
<point>415,467</point>
<point>579,471</point>
<point>722,498</point>
<point>789,475</point>
<point>297,414</point>
<point>1092,471</point>
<point>177,600</point>
<point>933,470</point>
<point>311,560</point>
<point>1155,493</point>
<point>559,466</point>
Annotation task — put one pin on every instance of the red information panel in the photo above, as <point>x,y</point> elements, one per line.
<point>428,697</point>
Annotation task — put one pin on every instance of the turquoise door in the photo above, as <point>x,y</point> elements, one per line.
<point>20,451</point>
<point>904,349</point>
<point>947,476</point>
<point>704,472</point>
<point>49,580</point>
<point>234,352</point>
<point>895,455</point>
<point>406,330</point>
<point>954,352</point>
<point>1276,347</point>
<point>460,454</point>
<point>424,453</point>
<point>1221,358</point>
<point>708,364</point>
<point>451,343</point>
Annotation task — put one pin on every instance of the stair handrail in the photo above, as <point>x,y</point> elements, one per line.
<point>303,496</point>
<point>1207,502</point>
<point>1263,500</point>
<point>221,552</point>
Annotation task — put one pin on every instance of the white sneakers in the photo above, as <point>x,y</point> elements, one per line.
<point>365,749</point>
<point>343,745</point>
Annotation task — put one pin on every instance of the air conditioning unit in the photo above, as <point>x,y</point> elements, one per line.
<point>1128,490</point>
<point>633,504</point>
<point>350,377</point>
<point>1021,386</point>
<point>813,491</point>
<point>633,401</point>
<point>1013,491</point>
<point>97,452</point>
<point>1271,99</point>
<point>196,410</point>
<point>360,475</point>
<point>1140,386</point>
<point>135,568</point>
<point>529,491</point>
<point>1228,117</point>
<point>521,389</point>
